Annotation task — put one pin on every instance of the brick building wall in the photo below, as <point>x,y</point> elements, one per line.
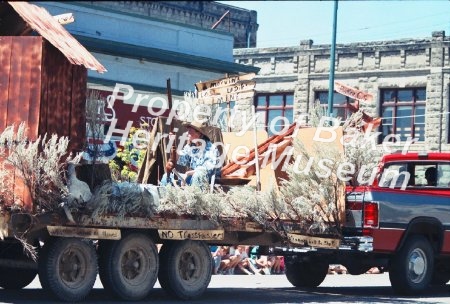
<point>240,22</point>
<point>370,67</point>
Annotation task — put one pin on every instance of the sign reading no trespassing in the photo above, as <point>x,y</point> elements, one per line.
<point>352,92</point>
<point>204,235</point>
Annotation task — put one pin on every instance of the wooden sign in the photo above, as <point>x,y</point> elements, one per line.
<point>311,241</point>
<point>173,234</point>
<point>228,89</point>
<point>352,92</point>
<point>81,232</point>
<point>239,87</point>
<point>223,82</point>
<point>226,97</point>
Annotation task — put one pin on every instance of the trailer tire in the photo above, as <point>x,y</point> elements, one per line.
<point>128,268</point>
<point>307,274</point>
<point>68,268</point>
<point>411,269</point>
<point>189,269</point>
<point>22,277</point>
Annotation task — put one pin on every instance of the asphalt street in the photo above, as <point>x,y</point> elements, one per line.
<point>367,288</point>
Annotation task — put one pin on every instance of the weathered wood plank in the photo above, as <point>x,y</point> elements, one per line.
<point>13,110</point>
<point>77,133</point>
<point>35,53</point>
<point>5,67</point>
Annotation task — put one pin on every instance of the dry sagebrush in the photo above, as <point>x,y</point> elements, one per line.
<point>121,199</point>
<point>38,163</point>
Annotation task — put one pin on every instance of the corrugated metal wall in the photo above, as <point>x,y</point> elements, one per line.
<point>20,81</point>
<point>38,85</point>
<point>63,102</point>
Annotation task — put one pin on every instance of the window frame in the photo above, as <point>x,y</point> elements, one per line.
<point>344,106</point>
<point>266,108</point>
<point>395,105</point>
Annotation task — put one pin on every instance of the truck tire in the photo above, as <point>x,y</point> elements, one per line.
<point>307,274</point>
<point>411,269</point>
<point>68,268</point>
<point>163,276</point>
<point>22,277</point>
<point>189,268</point>
<point>129,267</point>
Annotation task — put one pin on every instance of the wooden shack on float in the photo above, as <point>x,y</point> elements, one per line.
<point>43,75</point>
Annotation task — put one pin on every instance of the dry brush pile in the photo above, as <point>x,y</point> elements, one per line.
<point>311,196</point>
<point>38,164</point>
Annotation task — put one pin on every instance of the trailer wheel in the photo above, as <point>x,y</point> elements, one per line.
<point>411,269</point>
<point>305,273</point>
<point>68,268</point>
<point>128,268</point>
<point>189,268</point>
<point>22,277</point>
<point>163,276</point>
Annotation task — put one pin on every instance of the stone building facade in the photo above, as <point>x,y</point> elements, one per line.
<point>409,80</point>
<point>240,22</point>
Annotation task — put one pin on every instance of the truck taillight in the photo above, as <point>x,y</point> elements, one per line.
<point>370,219</point>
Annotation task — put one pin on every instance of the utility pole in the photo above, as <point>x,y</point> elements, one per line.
<point>332,62</point>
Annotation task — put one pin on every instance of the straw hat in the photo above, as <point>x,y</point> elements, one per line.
<point>198,126</point>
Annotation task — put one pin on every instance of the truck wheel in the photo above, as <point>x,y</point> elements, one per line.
<point>189,268</point>
<point>411,269</point>
<point>68,268</point>
<point>163,276</point>
<point>22,277</point>
<point>129,267</point>
<point>305,274</point>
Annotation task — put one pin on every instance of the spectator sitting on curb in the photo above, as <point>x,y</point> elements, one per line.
<point>246,265</point>
<point>217,256</point>
<point>236,255</point>
<point>261,262</point>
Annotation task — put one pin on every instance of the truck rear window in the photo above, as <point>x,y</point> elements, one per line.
<point>415,174</point>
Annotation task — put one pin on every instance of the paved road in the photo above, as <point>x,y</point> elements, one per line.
<point>372,288</point>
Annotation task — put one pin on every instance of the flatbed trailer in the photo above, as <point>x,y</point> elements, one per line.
<point>124,250</point>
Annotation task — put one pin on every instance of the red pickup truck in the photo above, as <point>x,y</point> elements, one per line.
<point>400,223</point>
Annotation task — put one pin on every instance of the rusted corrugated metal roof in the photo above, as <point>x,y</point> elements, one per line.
<point>41,21</point>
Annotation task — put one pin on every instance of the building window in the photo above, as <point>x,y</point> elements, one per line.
<point>276,111</point>
<point>340,104</point>
<point>403,113</point>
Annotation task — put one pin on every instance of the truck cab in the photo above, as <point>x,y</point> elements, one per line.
<point>402,220</point>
